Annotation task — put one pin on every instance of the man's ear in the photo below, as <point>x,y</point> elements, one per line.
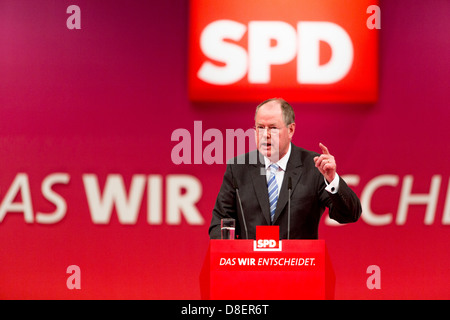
<point>291,129</point>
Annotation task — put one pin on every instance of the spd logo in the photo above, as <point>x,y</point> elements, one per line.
<point>267,239</point>
<point>302,50</point>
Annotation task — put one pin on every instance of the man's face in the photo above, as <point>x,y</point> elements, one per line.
<point>272,135</point>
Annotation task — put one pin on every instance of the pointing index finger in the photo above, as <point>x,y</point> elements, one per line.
<point>324,149</point>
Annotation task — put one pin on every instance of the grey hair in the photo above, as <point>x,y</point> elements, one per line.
<point>286,109</point>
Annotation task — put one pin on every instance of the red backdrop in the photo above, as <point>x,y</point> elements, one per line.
<point>104,101</point>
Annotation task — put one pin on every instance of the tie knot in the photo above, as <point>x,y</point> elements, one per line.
<point>274,167</point>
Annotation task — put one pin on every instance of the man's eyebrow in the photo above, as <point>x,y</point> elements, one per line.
<point>269,125</point>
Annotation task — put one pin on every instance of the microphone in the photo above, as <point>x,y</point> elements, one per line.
<point>240,205</point>
<point>289,206</point>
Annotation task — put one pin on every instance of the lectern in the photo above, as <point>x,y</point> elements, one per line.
<point>261,270</point>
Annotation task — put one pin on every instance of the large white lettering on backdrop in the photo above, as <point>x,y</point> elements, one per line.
<point>303,43</point>
<point>182,193</point>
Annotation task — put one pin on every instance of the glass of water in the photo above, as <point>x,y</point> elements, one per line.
<point>227,229</point>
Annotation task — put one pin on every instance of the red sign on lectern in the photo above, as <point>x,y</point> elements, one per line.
<point>267,238</point>
<point>298,269</point>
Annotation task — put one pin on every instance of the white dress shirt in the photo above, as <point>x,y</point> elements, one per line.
<point>282,164</point>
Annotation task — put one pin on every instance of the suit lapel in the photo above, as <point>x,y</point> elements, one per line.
<point>294,171</point>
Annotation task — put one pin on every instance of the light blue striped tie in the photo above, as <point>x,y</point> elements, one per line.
<point>272,187</point>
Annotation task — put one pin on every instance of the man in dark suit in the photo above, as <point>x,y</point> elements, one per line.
<point>262,179</point>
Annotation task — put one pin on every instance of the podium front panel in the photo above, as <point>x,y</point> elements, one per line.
<point>237,270</point>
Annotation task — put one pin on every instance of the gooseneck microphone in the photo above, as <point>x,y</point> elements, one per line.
<point>240,205</point>
<point>289,206</point>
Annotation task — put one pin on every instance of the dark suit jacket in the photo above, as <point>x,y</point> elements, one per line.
<point>308,198</point>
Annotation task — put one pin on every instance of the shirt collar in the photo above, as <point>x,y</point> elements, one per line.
<point>282,163</point>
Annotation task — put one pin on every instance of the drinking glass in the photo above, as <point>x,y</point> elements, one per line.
<point>227,227</point>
